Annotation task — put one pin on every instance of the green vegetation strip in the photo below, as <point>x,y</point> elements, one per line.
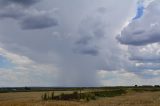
<point>83,96</point>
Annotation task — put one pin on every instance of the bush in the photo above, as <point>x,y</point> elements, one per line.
<point>47,96</point>
<point>89,96</point>
<point>52,95</point>
<point>92,96</point>
<point>44,96</point>
<point>73,96</point>
<point>62,96</point>
<point>76,95</point>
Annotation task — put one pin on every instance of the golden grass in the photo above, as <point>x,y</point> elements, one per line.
<point>34,99</point>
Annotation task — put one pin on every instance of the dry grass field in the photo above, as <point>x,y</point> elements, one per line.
<point>34,99</point>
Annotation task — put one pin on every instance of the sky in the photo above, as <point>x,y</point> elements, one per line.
<point>79,42</point>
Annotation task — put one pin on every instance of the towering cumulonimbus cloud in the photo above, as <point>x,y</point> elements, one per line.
<point>142,37</point>
<point>143,30</point>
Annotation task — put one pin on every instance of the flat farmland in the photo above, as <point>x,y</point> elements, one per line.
<point>34,99</point>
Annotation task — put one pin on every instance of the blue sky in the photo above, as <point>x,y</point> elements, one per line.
<point>5,63</point>
<point>140,10</point>
<point>79,42</point>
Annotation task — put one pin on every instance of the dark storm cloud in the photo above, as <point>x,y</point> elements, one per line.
<point>87,51</point>
<point>11,12</point>
<point>26,15</point>
<point>145,59</point>
<point>144,30</point>
<point>84,46</point>
<point>18,2</point>
<point>38,22</point>
<point>139,38</point>
<point>93,52</point>
<point>91,30</point>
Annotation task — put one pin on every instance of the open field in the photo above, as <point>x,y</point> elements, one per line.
<point>132,98</point>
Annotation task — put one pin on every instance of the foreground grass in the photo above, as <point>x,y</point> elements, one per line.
<point>34,99</point>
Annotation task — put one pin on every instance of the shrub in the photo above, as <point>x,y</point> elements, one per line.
<point>52,95</point>
<point>61,96</point>
<point>44,96</point>
<point>89,96</point>
<point>87,99</point>
<point>92,96</point>
<point>76,95</point>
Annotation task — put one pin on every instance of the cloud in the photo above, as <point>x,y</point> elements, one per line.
<point>122,77</point>
<point>29,18</point>
<point>38,21</point>
<point>148,66</point>
<point>145,58</point>
<point>82,43</point>
<point>11,12</point>
<point>144,30</point>
<point>145,54</point>
<point>18,2</point>
<point>142,38</point>
<point>87,51</point>
<point>25,71</point>
<point>91,30</point>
